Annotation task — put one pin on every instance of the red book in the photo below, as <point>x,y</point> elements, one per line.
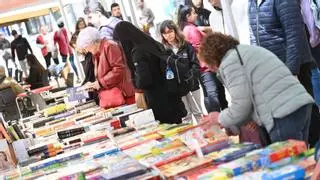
<point>116,124</point>
<point>293,148</point>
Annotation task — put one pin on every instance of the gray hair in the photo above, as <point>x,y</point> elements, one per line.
<point>88,36</point>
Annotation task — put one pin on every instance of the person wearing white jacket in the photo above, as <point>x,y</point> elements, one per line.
<point>230,17</point>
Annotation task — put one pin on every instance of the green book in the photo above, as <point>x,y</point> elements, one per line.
<point>13,132</point>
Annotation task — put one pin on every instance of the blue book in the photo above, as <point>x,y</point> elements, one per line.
<point>287,172</point>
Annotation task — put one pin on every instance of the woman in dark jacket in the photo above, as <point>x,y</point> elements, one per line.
<point>146,60</point>
<point>278,26</point>
<point>185,64</point>
<point>203,14</point>
<point>38,76</point>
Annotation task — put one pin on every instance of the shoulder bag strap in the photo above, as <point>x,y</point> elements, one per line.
<point>255,110</point>
<point>263,133</point>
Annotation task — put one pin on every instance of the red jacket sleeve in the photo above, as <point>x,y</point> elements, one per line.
<point>116,62</point>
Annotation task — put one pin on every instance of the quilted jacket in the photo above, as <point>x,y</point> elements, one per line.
<point>276,93</point>
<point>277,26</point>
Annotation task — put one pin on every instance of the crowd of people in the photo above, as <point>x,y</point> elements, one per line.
<point>271,82</point>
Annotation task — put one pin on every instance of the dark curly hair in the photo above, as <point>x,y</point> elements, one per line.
<point>215,46</point>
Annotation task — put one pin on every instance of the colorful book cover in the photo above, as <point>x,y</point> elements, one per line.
<point>76,94</point>
<point>183,165</point>
<point>237,167</point>
<point>286,149</point>
<point>308,164</point>
<point>194,174</point>
<point>5,133</point>
<point>257,175</point>
<point>126,173</point>
<point>209,148</point>
<point>13,133</point>
<point>232,153</point>
<point>287,172</point>
<point>167,157</point>
<point>218,174</point>
<point>54,110</point>
<point>18,131</point>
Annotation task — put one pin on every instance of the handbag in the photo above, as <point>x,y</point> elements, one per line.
<point>141,101</point>
<point>262,131</point>
<point>110,98</point>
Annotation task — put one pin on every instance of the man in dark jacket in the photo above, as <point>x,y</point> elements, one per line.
<point>277,25</point>
<point>21,46</point>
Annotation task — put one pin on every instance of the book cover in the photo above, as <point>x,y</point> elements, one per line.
<point>216,174</point>
<point>6,158</point>
<point>13,133</point>
<point>307,164</point>
<point>236,154</point>
<point>125,173</point>
<point>18,131</point>
<point>183,165</point>
<point>287,172</point>
<point>285,149</point>
<point>4,132</point>
<point>194,174</point>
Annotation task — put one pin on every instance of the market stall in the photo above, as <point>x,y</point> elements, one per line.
<point>75,139</point>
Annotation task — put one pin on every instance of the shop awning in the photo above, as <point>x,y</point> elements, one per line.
<point>28,10</point>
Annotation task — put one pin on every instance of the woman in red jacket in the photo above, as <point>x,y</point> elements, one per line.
<point>113,78</point>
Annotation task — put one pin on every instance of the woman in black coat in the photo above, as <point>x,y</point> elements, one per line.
<point>203,14</point>
<point>146,60</point>
<point>38,75</point>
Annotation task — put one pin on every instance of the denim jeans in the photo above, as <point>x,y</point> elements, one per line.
<point>214,93</point>
<point>315,78</point>
<point>71,60</point>
<point>305,79</point>
<point>294,126</point>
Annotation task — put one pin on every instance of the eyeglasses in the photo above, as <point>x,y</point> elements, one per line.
<point>168,32</point>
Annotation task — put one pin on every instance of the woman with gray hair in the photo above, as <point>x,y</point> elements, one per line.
<point>113,78</point>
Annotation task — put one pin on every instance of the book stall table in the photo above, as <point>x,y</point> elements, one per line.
<point>83,141</point>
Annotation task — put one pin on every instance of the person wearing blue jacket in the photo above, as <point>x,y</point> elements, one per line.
<point>277,25</point>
